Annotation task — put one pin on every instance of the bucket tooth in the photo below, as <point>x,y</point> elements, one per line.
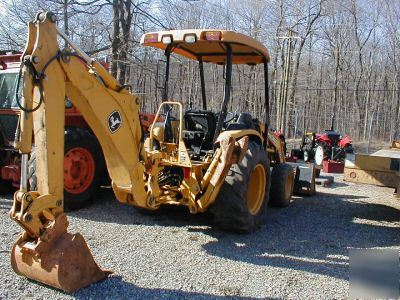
<point>64,262</point>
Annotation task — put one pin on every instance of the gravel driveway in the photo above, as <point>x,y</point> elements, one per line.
<point>300,252</point>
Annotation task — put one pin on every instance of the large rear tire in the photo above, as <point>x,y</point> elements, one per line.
<point>84,168</point>
<point>282,183</point>
<point>242,201</point>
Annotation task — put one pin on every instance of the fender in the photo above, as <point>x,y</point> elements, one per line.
<point>238,134</point>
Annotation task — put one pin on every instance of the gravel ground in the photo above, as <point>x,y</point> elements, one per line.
<point>300,252</point>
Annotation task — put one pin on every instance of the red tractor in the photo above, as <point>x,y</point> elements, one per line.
<point>84,166</point>
<point>329,145</point>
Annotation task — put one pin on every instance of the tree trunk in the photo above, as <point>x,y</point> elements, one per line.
<point>116,41</point>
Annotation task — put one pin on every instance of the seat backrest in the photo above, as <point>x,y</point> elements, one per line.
<point>246,119</point>
<point>201,120</point>
<point>333,136</point>
<point>204,117</point>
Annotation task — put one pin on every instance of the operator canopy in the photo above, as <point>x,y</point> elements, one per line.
<point>209,45</point>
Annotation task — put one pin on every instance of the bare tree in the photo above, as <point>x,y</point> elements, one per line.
<point>337,67</point>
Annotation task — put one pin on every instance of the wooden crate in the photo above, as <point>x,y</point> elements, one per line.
<point>382,170</point>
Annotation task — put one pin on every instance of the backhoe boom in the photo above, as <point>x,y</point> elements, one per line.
<point>51,75</point>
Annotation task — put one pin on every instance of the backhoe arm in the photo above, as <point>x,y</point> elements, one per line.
<point>110,110</point>
<point>45,251</point>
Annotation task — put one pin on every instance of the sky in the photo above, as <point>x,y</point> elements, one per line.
<point>3,4</point>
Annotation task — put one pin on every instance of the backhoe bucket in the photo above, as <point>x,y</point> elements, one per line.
<point>65,263</point>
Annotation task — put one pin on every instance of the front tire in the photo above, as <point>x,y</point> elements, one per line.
<point>282,183</point>
<point>83,168</point>
<point>242,200</point>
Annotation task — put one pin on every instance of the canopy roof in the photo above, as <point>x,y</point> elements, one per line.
<point>209,45</point>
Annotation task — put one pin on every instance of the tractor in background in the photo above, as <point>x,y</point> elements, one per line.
<point>329,147</point>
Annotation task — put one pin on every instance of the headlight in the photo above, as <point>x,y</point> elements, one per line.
<point>212,35</point>
<point>166,39</point>
<point>151,38</point>
<point>190,38</point>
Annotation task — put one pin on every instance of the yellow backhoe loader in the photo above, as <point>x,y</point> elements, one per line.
<point>203,160</point>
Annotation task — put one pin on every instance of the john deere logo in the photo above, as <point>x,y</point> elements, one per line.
<point>114,121</point>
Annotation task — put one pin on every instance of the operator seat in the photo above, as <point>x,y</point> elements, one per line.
<point>333,136</point>
<point>199,130</point>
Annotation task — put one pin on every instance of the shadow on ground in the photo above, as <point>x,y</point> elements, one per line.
<point>132,291</point>
<point>115,285</point>
<point>313,234</point>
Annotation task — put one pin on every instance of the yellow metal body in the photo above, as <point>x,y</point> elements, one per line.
<point>133,169</point>
<point>274,146</point>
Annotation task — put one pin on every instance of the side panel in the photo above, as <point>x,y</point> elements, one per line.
<point>239,134</point>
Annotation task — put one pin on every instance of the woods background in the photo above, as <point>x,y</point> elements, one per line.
<point>329,58</point>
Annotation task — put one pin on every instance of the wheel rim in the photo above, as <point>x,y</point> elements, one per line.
<point>256,189</point>
<point>79,169</point>
<point>289,186</point>
<point>319,155</point>
<point>305,156</point>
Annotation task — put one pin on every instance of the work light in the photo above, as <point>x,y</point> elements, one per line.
<point>166,39</point>
<point>190,38</point>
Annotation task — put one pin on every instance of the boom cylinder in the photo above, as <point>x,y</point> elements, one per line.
<point>110,81</point>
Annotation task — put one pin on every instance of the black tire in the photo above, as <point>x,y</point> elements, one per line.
<point>230,210</point>
<point>297,153</point>
<point>317,172</point>
<point>82,138</point>
<point>349,149</point>
<point>282,183</point>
